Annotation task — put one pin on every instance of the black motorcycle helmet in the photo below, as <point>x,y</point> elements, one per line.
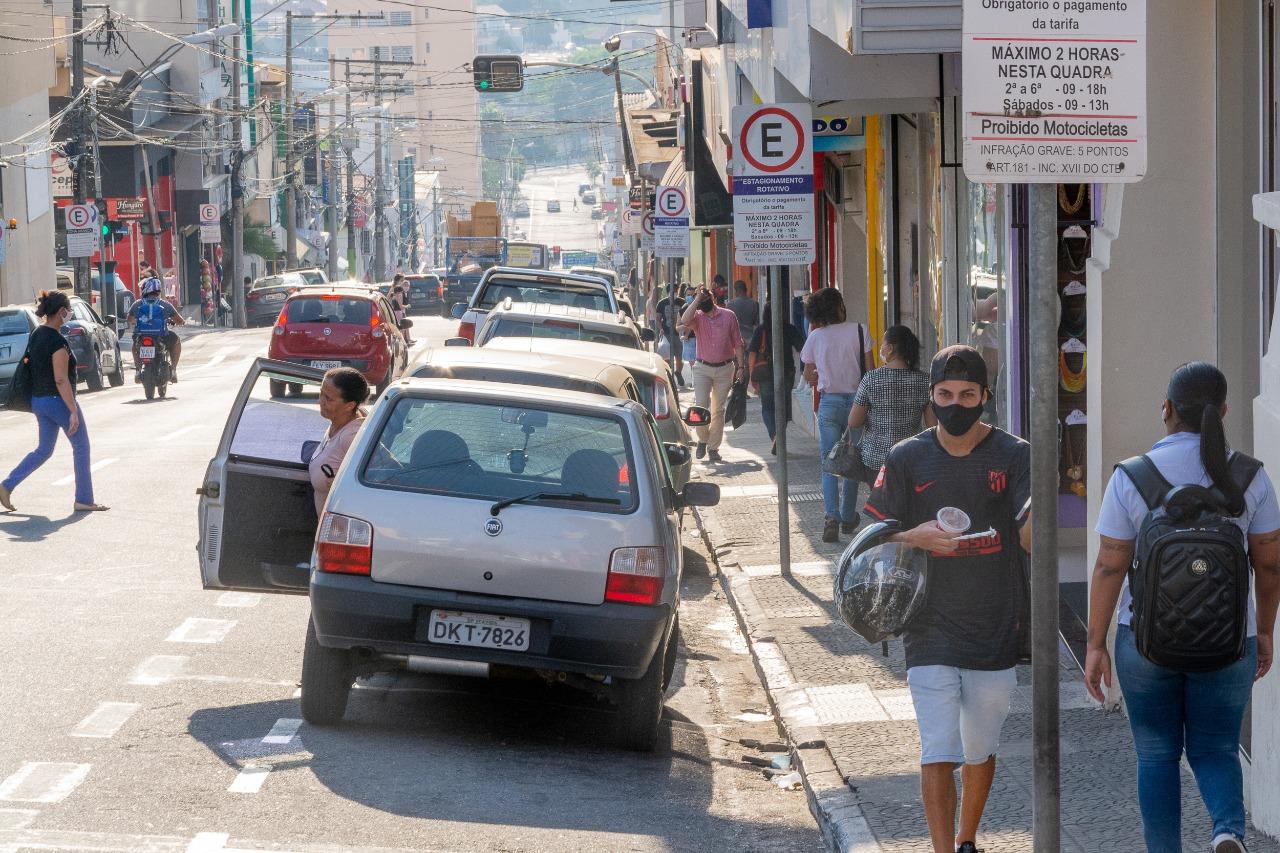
<point>880,585</point>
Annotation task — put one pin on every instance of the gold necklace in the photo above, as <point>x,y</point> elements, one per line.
<point>1072,383</point>
<point>1071,208</point>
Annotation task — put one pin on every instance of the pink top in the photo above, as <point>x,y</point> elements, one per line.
<point>328,459</point>
<point>719,337</point>
<point>833,350</point>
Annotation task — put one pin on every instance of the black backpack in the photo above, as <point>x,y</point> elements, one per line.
<point>1190,573</point>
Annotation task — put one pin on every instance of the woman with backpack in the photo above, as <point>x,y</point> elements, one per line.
<point>1190,642</point>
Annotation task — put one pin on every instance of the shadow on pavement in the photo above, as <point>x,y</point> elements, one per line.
<point>35,528</point>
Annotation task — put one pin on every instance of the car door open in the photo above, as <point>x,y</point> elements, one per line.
<point>257,510</point>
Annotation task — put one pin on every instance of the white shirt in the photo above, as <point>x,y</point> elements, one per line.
<point>1178,458</point>
<point>833,350</point>
<point>328,458</point>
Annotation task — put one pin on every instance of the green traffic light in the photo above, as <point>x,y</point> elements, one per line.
<point>484,84</point>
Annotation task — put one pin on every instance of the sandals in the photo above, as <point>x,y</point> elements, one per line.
<point>5,500</point>
<point>79,507</point>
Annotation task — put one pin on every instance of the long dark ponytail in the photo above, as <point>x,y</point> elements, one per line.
<point>1197,392</point>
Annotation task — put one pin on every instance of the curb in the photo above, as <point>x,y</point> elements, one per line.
<point>833,804</point>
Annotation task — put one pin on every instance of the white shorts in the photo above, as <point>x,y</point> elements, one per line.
<point>960,711</point>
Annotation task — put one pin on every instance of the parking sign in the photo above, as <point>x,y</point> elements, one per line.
<point>773,218</point>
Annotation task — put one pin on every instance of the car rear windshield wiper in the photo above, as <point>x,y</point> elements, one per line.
<point>572,497</point>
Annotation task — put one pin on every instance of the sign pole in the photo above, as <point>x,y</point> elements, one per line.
<point>781,397</point>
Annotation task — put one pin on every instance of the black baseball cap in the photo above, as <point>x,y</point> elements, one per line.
<point>958,361</point>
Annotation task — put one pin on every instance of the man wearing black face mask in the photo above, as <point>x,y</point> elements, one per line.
<point>962,646</point>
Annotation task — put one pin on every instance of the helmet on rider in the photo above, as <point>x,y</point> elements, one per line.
<point>880,584</point>
<point>152,286</point>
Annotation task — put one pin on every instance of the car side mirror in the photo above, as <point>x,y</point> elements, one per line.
<point>458,311</point>
<point>677,454</point>
<point>697,416</point>
<point>110,318</point>
<point>457,342</point>
<point>699,494</point>
<point>648,335</point>
<point>406,324</point>
<point>309,448</point>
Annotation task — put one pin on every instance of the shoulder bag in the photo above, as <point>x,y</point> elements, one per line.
<point>18,396</point>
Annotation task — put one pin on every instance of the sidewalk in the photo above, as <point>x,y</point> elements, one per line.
<point>845,706</point>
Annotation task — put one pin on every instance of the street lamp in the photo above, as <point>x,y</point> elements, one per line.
<point>206,36</point>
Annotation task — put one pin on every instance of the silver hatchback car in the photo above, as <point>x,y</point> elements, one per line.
<point>472,525</point>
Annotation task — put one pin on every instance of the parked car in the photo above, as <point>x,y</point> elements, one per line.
<point>267,294</point>
<point>426,292</point>
<point>537,320</point>
<point>582,188</point>
<point>64,279</point>
<point>553,205</point>
<point>473,525</point>
<point>522,208</point>
<point>310,275</point>
<point>610,277</point>
<point>340,325</point>
<point>95,345</point>
<point>532,369</point>
<point>588,197</point>
<point>597,213</point>
<point>17,322</point>
<point>525,285</point>
<point>658,390</point>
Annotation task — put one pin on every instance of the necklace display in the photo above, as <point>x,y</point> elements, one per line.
<point>1072,382</point>
<point>1072,326</point>
<point>1075,471</point>
<point>1075,265</point>
<point>1071,208</point>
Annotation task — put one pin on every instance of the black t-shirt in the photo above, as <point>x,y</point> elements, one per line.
<point>669,311</point>
<point>972,615</point>
<point>44,342</point>
<point>762,345</point>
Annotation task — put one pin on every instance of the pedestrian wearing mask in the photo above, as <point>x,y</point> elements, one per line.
<point>668,311</point>
<point>836,354</point>
<point>341,393</point>
<point>718,365</point>
<point>53,402</point>
<point>760,369</point>
<point>1173,711</point>
<point>962,645</point>
<point>892,401</point>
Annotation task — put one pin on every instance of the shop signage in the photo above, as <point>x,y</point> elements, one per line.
<point>773,218</point>
<point>671,222</point>
<point>210,230</point>
<point>126,209</point>
<point>646,232</point>
<point>62,179</point>
<point>1055,91</point>
<point>82,230</point>
<point>578,258</point>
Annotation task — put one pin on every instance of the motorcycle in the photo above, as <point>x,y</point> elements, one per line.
<point>153,365</point>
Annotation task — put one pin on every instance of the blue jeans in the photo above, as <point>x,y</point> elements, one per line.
<point>52,415</point>
<point>839,496</point>
<point>1170,711</point>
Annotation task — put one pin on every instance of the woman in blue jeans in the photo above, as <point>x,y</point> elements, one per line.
<point>836,355</point>
<point>53,402</point>
<point>1170,711</point>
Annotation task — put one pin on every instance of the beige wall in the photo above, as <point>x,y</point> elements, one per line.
<point>28,264</point>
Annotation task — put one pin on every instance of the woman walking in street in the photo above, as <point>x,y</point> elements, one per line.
<point>53,402</point>
<point>835,355</point>
<point>1172,711</point>
<point>892,401</point>
<point>760,368</point>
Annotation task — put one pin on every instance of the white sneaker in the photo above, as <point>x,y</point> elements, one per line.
<point>1227,843</point>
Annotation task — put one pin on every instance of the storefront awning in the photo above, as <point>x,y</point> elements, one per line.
<point>653,133</point>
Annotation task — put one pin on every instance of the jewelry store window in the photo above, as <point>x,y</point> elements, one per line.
<point>983,303</point>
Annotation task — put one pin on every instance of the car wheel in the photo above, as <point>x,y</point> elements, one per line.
<point>673,652</point>
<point>93,379</point>
<point>117,379</point>
<point>326,681</point>
<point>277,388</point>
<point>640,707</point>
<point>446,311</point>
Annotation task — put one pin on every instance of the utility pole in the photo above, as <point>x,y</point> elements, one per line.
<point>290,200</point>
<point>332,153</point>
<point>351,186</point>
<point>83,285</point>
<point>622,121</point>
<point>379,250</point>
<point>235,269</point>
<point>108,287</point>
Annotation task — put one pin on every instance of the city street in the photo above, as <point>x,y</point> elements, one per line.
<point>142,713</point>
<point>570,229</point>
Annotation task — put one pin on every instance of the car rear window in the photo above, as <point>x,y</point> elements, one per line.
<point>511,376</point>
<point>330,309</point>
<point>544,293</point>
<point>562,330</point>
<point>269,281</point>
<point>423,284</point>
<point>13,323</point>
<point>314,277</point>
<point>492,451</point>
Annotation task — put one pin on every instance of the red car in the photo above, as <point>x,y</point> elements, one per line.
<point>340,326</point>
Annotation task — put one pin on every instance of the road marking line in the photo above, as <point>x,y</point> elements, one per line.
<point>249,780</point>
<point>283,731</point>
<point>218,357</point>
<point>43,781</point>
<point>196,630</point>
<point>106,719</point>
<point>94,468</point>
<point>209,842</point>
<point>204,842</point>
<point>186,429</point>
<point>161,669</point>
<point>239,599</point>
<point>17,818</point>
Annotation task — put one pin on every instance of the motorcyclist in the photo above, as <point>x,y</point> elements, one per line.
<point>151,314</point>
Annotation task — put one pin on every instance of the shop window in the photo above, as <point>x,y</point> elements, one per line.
<point>984,293</point>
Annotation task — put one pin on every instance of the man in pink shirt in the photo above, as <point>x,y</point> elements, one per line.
<point>719,364</point>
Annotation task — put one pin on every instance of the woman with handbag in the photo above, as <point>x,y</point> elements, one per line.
<point>892,401</point>
<point>52,368</point>
<point>760,368</point>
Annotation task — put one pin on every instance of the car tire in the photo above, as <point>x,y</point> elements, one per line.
<point>326,681</point>
<point>117,379</point>
<point>640,706</point>
<point>93,379</point>
<point>673,652</point>
<point>446,311</point>
<point>277,388</point>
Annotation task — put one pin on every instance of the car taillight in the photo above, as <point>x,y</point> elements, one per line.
<point>661,406</point>
<point>344,545</point>
<point>375,325</point>
<point>440,290</point>
<point>467,330</point>
<point>636,575</point>
<point>252,297</point>
<point>282,320</point>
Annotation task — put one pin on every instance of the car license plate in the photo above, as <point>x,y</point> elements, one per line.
<point>326,365</point>
<point>273,297</point>
<point>146,352</point>
<point>479,629</point>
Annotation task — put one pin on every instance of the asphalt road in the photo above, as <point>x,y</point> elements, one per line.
<point>570,229</point>
<point>141,713</point>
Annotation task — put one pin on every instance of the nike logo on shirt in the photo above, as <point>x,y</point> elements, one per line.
<point>924,486</point>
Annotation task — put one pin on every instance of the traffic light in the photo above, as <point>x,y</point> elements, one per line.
<point>498,73</point>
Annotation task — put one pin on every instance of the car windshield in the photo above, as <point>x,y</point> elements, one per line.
<point>269,281</point>
<point>13,323</point>
<point>492,451</point>
<point>575,294</point>
<point>314,277</point>
<point>563,330</point>
<point>330,309</point>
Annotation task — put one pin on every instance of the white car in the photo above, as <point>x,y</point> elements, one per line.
<point>562,322</point>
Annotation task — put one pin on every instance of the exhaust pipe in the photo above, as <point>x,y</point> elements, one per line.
<point>446,666</point>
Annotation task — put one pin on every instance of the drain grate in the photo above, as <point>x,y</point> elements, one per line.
<point>798,497</point>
